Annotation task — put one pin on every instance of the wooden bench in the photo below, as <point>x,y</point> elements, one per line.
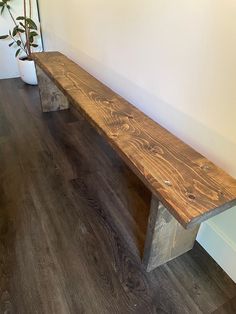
<point>186,187</point>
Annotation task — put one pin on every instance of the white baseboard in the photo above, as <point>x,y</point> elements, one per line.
<point>219,246</point>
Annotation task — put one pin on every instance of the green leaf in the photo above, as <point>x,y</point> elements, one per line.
<point>11,44</point>
<point>32,34</point>
<point>34,45</point>
<point>31,24</point>
<point>20,30</point>
<point>18,42</point>
<point>21,24</point>
<point>4,36</point>
<point>20,18</point>
<point>15,31</point>
<point>17,52</point>
<point>2,9</point>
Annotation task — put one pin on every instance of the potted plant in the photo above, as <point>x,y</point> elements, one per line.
<point>23,38</point>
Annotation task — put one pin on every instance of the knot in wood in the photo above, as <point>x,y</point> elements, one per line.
<point>168,183</point>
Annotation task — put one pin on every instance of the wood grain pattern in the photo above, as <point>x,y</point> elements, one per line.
<point>71,212</point>
<point>228,308</point>
<point>166,238</point>
<point>52,99</point>
<point>190,186</point>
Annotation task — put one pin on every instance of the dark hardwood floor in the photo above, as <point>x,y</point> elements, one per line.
<point>72,224</point>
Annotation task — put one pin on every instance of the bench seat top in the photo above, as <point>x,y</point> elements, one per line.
<point>191,187</point>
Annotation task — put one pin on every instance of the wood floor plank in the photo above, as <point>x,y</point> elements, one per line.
<point>228,308</point>
<point>195,285</point>
<point>73,221</point>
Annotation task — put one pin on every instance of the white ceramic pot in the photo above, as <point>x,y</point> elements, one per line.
<point>27,71</point>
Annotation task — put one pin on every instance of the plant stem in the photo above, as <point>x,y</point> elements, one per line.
<point>30,15</point>
<point>25,9</point>
<point>27,32</point>
<point>30,9</point>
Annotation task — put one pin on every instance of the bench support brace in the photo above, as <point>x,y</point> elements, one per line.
<point>52,99</point>
<point>166,238</point>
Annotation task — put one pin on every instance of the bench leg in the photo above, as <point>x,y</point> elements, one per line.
<point>166,238</point>
<point>52,99</point>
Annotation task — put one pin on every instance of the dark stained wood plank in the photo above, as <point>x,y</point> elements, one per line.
<point>228,308</point>
<point>70,215</point>
<point>191,187</point>
<point>194,285</point>
<point>214,271</point>
<point>4,127</point>
<point>44,180</point>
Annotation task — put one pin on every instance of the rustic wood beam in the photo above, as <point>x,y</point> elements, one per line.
<point>52,99</point>
<point>189,185</point>
<point>166,238</point>
<point>191,188</point>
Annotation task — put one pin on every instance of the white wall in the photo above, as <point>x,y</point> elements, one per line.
<point>176,61</point>
<point>8,64</point>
